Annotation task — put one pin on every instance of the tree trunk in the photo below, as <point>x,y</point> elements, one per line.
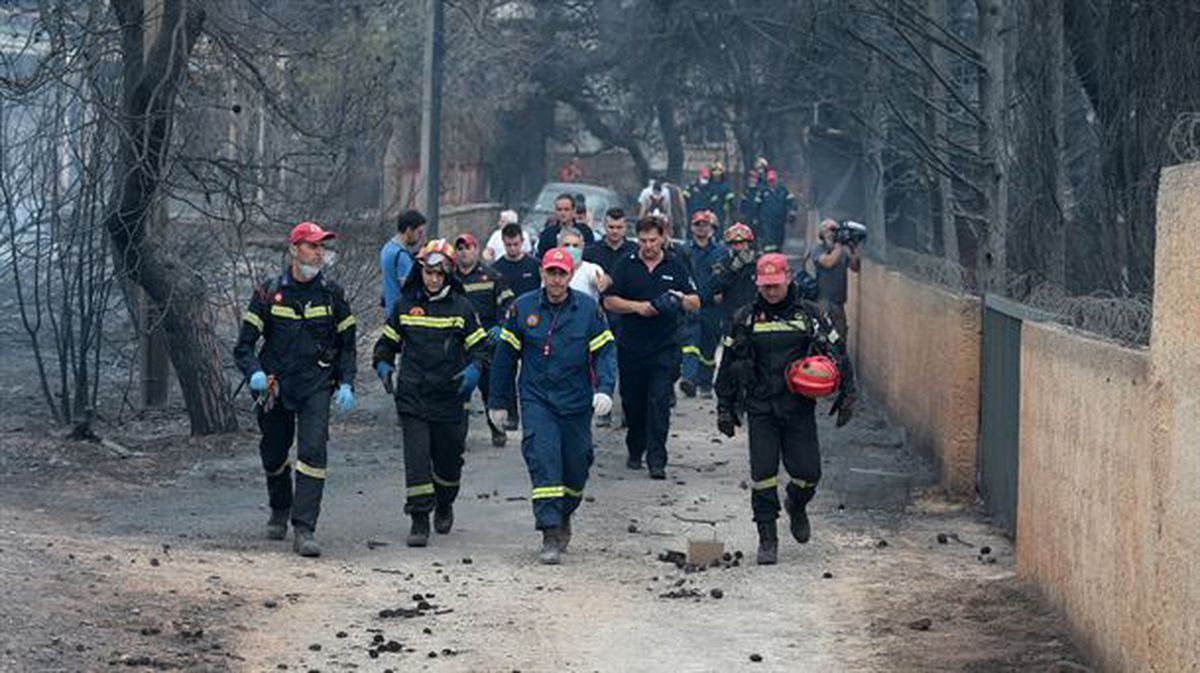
<point>672,139</point>
<point>150,86</point>
<point>873,183</point>
<point>940,195</point>
<point>991,263</point>
<point>1056,239</point>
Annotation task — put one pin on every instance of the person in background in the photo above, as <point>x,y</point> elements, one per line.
<point>776,208</point>
<point>522,275</point>
<point>703,334</point>
<point>494,249</point>
<point>587,277</point>
<point>564,216</point>
<point>396,256</point>
<point>832,260</point>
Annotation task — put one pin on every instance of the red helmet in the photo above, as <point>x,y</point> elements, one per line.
<point>439,253</point>
<point>738,233</point>
<point>813,377</point>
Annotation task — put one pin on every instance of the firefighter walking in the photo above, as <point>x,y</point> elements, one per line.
<point>443,350</point>
<point>308,335</point>
<point>560,336</point>
<point>781,355</point>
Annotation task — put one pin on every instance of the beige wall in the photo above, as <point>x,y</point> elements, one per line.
<point>917,349</point>
<point>1108,521</point>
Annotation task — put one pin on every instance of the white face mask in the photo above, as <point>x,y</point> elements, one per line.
<point>703,181</point>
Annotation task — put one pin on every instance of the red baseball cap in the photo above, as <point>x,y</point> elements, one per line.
<point>771,269</point>
<point>468,238</point>
<point>309,232</point>
<point>558,258</point>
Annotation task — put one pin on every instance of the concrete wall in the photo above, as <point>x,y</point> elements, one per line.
<point>917,349</point>
<point>1108,521</point>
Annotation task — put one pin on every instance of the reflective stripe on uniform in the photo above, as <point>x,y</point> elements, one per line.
<point>253,319</point>
<point>690,350</point>
<point>282,468</point>
<point>419,490</point>
<point>599,340</point>
<point>391,333</point>
<point>449,322</point>
<point>781,326</point>
<point>834,336</point>
<point>572,493</point>
<point>346,324</point>
<point>479,287</point>
<point>284,312</point>
<point>727,342</point>
<point>317,311</point>
<point>769,482</point>
<point>309,470</point>
<point>443,482</point>
<point>801,484</point>
<point>475,337</point>
<point>543,492</point>
<point>504,296</point>
<point>510,338</point>
<point>707,362</point>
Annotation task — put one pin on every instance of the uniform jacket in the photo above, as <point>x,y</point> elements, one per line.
<point>488,292</point>
<point>734,282</point>
<point>763,340</point>
<point>436,339</point>
<point>559,348</point>
<point>308,335</point>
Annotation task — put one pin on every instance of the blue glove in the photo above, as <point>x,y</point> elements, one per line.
<point>258,382</point>
<point>345,398</point>
<point>384,370</point>
<point>494,335</point>
<point>470,378</point>
<point>666,303</point>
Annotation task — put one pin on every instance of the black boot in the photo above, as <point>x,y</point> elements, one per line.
<point>499,438</point>
<point>551,551</point>
<point>278,523</point>
<point>418,535</point>
<point>768,544</point>
<point>688,387</point>
<point>304,544</point>
<point>443,518</point>
<point>564,534</point>
<point>801,530</point>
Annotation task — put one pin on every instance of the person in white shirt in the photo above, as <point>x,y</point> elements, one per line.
<point>495,244</point>
<point>587,277</point>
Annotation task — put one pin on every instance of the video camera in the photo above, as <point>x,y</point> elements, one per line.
<point>849,232</point>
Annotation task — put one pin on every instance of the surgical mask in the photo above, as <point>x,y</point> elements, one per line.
<point>703,181</point>
<point>576,255</point>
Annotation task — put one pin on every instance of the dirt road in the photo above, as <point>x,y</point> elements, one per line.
<point>154,561</point>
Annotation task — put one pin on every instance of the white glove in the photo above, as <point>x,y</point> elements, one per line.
<point>601,404</point>
<point>498,417</point>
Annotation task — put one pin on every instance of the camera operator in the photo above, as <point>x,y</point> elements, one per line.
<point>836,252</point>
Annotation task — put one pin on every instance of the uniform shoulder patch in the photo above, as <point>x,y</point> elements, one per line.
<point>533,320</point>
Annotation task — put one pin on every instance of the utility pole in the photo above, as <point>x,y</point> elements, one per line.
<point>431,116</point>
<point>154,358</point>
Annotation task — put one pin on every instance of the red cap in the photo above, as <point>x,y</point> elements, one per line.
<point>558,258</point>
<point>468,238</point>
<point>772,269</point>
<point>703,216</point>
<point>309,232</point>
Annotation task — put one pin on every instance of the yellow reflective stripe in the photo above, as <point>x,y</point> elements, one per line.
<point>309,470</point>
<point>572,493</point>
<point>800,483</point>
<point>781,326</point>
<point>599,340</point>
<point>690,350</point>
<point>510,338</point>
<point>284,312</point>
<point>706,362</point>
<point>475,337</point>
<point>544,492</point>
<point>391,333</point>
<point>443,482</point>
<point>727,342</point>
<point>504,296</point>
<point>346,323</point>
<point>317,311</point>
<point>282,468</point>
<point>770,482</point>
<point>253,319</point>
<point>478,287</point>
<point>452,322</point>
<point>419,490</point>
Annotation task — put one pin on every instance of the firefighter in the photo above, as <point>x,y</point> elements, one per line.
<point>765,338</point>
<point>443,351</point>
<point>307,353</point>
<point>703,333</point>
<point>490,296</point>
<point>733,277</point>
<point>560,336</point>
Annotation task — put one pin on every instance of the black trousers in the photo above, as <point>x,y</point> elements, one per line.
<point>433,461</point>
<point>792,438</point>
<point>646,385</point>
<point>308,425</point>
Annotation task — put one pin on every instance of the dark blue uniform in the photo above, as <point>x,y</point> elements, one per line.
<point>704,332</point>
<point>560,348</point>
<point>773,205</point>
<point>648,354</point>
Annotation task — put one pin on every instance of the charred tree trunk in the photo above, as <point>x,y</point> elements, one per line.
<point>991,264</point>
<point>150,86</point>
<point>940,193</point>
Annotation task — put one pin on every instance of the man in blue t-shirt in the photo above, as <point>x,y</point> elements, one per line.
<point>396,257</point>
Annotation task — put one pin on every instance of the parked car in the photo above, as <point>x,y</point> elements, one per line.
<point>597,199</point>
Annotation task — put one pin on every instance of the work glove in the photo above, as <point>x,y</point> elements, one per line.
<point>384,371</point>
<point>345,398</point>
<point>843,406</point>
<point>498,418</point>
<point>601,404</point>
<point>666,303</point>
<point>468,378</point>
<point>727,422</point>
<point>494,335</point>
<point>258,382</point>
